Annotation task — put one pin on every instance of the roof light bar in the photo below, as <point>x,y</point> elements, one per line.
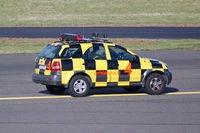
<point>70,37</point>
<point>78,37</point>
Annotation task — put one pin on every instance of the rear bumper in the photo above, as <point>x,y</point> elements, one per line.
<point>47,79</point>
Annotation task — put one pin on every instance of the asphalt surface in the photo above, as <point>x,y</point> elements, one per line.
<point>112,32</point>
<point>127,114</point>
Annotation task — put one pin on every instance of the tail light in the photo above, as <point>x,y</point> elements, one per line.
<point>56,66</point>
<point>35,62</point>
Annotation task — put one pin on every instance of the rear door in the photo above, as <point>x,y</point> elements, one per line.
<point>71,62</point>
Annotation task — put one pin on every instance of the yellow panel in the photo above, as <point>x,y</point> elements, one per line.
<point>92,74</point>
<point>114,75</point>
<point>63,47</point>
<point>109,44</point>
<point>123,64</point>
<point>123,83</point>
<point>55,44</point>
<point>135,75</point>
<point>100,84</point>
<point>47,72</point>
<point>163,65</point>
<point>108,76</point>
<point>131,52</point>
<point>66,76</point>
<point>77,64</point>
<point>108,57</point>
<point>145,64</point>
<point>101,64</point>
<point>82,62</point>
<point>42,61</point>
<point>85,46</point>
<point>37,70</point>
<point>158,69</point>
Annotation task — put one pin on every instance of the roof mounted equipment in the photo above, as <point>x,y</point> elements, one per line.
<point>70,37</point>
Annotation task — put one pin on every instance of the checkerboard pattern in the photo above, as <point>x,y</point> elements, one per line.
<point>102,73</point>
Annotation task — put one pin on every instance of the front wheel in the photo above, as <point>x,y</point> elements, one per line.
<point>155,84</point>
<point>55,89</point>
<point>79,86</point>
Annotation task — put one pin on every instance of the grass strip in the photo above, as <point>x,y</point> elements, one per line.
<point>102,12</point>
<point>28,46</point>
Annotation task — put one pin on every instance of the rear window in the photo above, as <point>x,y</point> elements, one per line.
<point>50,51</point>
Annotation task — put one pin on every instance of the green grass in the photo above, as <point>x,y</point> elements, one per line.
<point>102,12</point>
<point>11,48</point>
<point>167,45</point>
<point>131,44</point>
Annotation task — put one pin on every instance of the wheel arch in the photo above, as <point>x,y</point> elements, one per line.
<point>83,74</point>
<point>149,72</point>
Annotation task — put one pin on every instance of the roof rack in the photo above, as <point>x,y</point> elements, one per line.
<point>77,38</point>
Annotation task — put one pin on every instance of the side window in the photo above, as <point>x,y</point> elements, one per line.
<point>95,52</point>
<point>118,53</point>
<point>74,51</point>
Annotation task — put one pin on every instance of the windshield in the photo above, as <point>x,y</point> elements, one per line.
<point>50,51</point>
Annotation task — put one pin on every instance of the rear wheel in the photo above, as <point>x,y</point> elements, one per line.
<point>55,89</point>
<point>132,89</point>
<point>79,86</point>
<point>155,84</point>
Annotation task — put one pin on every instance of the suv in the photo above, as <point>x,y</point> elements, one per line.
<point>79,64</point>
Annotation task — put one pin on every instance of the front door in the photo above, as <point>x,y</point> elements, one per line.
<point>123,70</point>
<point>96,65</point>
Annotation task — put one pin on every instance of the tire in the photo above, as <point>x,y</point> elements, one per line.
<point>79,86</point>
<point>155,84</point>
<point>132,89</point>
<point>55,89</point>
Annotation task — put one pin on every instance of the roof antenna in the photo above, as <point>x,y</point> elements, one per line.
<point>83,31</point>
<point>95,36</point>
<point>104,38</point>
<point>105,35</point>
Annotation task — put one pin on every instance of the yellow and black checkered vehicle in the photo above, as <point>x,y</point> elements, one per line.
<point>80,65</point>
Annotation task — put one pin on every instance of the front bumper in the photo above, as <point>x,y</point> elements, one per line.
<point>47,79</point>
<point>168,74</point>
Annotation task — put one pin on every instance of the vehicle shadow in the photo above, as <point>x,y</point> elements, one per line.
<point>120,90</point>
<point>48,93</point>
<point>170,89</point>
<point>116,90</point>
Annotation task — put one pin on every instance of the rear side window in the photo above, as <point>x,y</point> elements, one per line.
<point>50,51</point>
<point>73,51</point>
